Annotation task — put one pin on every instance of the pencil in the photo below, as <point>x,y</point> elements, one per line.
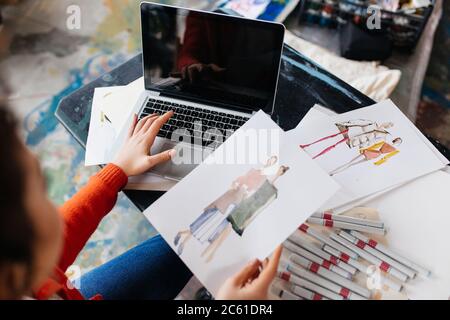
<point>345,258</point>
<point>318,251</point>
<point>374,244</point>
<point>315,288</point>
<point>315,268</point>
<point>313,258</point>
<point>107,119</point>
<point>361,244</point>
<point>307,294</point>
<point>384,266</point>
<point>336,217</point>
<point>326,239</point>
<point>318,289</point>
<point>364,269</point>
<point>346,225</point>
<point>302,277</point>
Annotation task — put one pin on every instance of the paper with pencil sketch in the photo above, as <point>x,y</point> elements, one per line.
<point>367,150</point>
<point>250,194</point>
<point>102,141</point>
<point>102,134</point>
<point>119,105</point>
<point>111,113</point>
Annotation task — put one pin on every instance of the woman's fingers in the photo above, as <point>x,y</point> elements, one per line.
<point>139,125</point>
<point>192,72</point>
<point>255,275</point>
<point>156,126</point>
<point>270,269</point>
<point>246,273</point>
<point>216,68</point>
<point>160,158</point>
<point>134,122</point>
<point>184,73</point>
<point>148,124</point>
<point>142,122</point>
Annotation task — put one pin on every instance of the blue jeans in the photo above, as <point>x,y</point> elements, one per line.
<point>149,271</point>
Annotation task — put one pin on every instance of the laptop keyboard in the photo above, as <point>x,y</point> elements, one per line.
<point>188,117</point>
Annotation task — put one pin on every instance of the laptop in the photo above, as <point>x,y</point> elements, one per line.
<point>213,70</point>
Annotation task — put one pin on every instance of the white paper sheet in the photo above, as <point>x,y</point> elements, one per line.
<point>415,159</point>
<point>319,111</point>
<point>101,133</point>
<point>118,106</point>
<point>418,221</point>
<point>102,140</point>
<point>404,218</point>
<point>301,191</point>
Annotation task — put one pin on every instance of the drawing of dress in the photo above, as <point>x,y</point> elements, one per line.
<point>358,133</point>
<point>204,227</point>
<point>371,153</point>
<point>249,195</point>
<point>244,213</point>
<point>363,133</point>
<point>213,219</point>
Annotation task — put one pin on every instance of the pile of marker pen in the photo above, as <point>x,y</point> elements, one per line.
<point>325,269</point>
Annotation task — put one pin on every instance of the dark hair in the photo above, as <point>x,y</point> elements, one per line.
<point>16,229</point>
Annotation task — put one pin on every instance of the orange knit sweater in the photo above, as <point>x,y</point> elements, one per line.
<point>82,215</point>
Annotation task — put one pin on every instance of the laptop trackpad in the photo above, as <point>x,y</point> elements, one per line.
<point>182,165</point>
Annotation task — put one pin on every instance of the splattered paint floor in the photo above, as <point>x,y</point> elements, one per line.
<point>45,63</point>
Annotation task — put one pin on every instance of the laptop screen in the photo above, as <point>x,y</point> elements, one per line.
<point>210,58</point>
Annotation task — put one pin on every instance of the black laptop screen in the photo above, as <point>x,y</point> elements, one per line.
<point>211,58</point>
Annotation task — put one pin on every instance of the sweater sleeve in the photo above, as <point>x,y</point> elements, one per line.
<point>84,211</point>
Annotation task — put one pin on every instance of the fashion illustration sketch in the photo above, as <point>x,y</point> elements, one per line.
<point>370,140</point>
<point>234,210</point>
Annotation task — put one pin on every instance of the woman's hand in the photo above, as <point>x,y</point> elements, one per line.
<point>252,282</point>
<point>134,158</point>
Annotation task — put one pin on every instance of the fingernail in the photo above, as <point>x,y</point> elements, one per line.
<point>172,153</point>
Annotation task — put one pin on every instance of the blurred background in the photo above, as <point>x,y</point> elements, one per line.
<point>42,61</point>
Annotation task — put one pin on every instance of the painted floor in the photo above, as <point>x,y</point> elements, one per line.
<point>46,62</point>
